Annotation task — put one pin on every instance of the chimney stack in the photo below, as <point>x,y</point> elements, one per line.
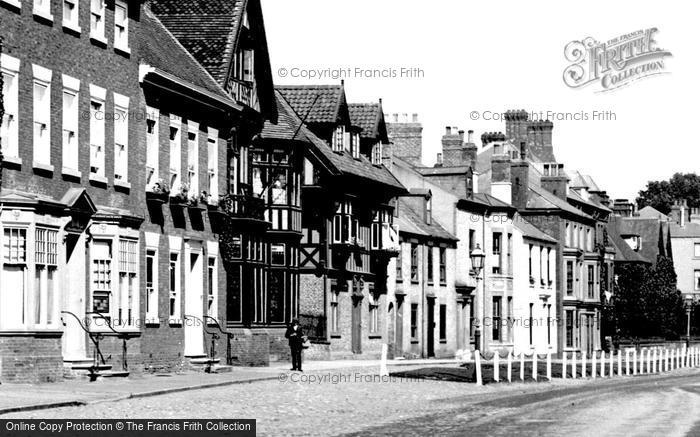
<point>470,136</point>
<point>407,138</point>
<point>555,180</point>
<point>623,207</point>
<point>500,167</point>
<point>438,163</point>
<point>520,178</point>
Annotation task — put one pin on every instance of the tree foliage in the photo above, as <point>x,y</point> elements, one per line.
<point>647,302</point>
<point>662,194</point>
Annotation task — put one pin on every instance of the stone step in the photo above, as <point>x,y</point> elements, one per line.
<point>204,361</point>
<point>114,374</point>
<point>221,368</point>
<point>90,366</point>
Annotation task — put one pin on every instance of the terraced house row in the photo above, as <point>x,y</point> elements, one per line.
<point>163,205</point>
<point>152,188</point>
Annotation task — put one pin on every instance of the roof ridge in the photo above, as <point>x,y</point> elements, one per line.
<point>152,15</point>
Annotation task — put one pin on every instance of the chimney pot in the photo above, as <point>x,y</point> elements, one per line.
<point>461,134</point>
<point>439,159</point>
<point>448,130</point>
<point>470,136</point>
<point>415,117</point>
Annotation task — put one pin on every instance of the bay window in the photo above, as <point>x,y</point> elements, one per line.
<point>42,115</point>
<point>71,99</point>
<point>45,278</point>
<point>9,134</point>
<point>13,299</point>
<point>127,297</point>
<point>377,154</point>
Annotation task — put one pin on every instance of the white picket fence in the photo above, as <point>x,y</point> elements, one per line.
<point>625,362</point>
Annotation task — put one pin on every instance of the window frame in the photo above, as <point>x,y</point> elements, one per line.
<point>97,32</point>
<point>41,115</point>
<point>10,66</point>
<point>121,151</point>
<point>98,96</point>
<point>121,44</point>
<point>74,23</point>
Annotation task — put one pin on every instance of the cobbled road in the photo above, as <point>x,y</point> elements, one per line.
<point>354,403</point>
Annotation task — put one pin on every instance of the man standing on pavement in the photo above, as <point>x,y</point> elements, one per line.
<point>295,334</point>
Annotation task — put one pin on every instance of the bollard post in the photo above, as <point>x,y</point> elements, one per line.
<point>549,366</point>
<point>619,362</point>
<point>648,360</point>
<point>612,365</point>
<point>573,364</point>
<point>627,360</point>
<point>602,364</point>
<point>667,364</point>
<point>522,366</point>
<point>584,370</point>
<point>641,361</point>
<point>534,365</point>
<point>563,365</point>
<point>496,367</point>
<point>593,365</point>
<point>477,363</point>
<point>383,371</point>
<point>510,367</point>
<point>653,361</point>
<point>635,368</point>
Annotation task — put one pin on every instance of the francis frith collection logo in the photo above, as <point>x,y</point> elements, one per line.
<point>615,63</point>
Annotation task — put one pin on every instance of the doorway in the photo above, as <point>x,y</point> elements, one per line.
<point>431,328</point>
<point>194,305</point>
<point>357,325</point>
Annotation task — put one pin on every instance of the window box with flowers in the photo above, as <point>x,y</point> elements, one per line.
<point>159,192</point>
<point>181,197</point>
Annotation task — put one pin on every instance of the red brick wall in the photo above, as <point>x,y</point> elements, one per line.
<point>30,359</point>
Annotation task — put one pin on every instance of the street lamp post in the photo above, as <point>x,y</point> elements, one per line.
<point>477,258</point>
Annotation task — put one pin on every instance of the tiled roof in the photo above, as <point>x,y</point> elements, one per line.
<point>158,48</point>
<point>651,212</point>
<point>341,162</point>
<point>623,252</point>
<point>366,116</point>
<point>286,126</point>
<point>411,221</point>
<point>540,198</point>
<point>208,29</point>
<point>529,230</point>
<point>651,230</point>
<point>322,103</point>
<point>491,201</point>
<point>573,195</point>
<point>689,230</point>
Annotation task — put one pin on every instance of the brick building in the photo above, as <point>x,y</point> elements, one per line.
<point>129,216</point>
<point>71,207</point>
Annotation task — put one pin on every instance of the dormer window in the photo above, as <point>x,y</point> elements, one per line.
<point>355,145</point>
<point>243,65</point>
<point>429,210</point>
<point>377,154</point>
<point>338,142</point>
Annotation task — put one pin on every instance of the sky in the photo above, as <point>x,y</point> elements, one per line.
<point>486,57</point>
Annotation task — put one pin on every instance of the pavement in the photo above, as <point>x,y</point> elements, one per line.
<point>80,392</point>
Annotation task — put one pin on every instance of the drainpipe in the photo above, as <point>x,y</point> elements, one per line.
<point>483,281</point>
<point>423,315</point>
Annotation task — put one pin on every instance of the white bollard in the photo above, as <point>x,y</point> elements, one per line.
<point>496,367</point>
<point>573,365</point>
<point>619,363</point>
<point>522,366</point>
<point>667,363</point>
<point>549,366</point>
<point>584,370</point>
<point>477,364</point>
<point>510,367</point>
<point>612,364</point>
<point>655,367</point>
<point>534,365</point>
<point>635,368</point>
<point>563,365</point>
<point>648,360</point>
<point>627,360</point>
<point>602,364</point>
<point>383,370</point>
<point>593,365</point>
